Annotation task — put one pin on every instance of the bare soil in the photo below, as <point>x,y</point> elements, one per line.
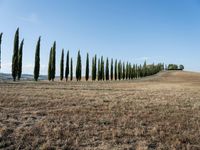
<point>158,112</point>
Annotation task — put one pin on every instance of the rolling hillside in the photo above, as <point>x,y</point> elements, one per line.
<point>158,112</point>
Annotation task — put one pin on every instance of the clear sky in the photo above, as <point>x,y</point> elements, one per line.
<point>131,30</point>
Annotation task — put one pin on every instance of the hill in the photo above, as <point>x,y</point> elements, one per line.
<point>158,112</point>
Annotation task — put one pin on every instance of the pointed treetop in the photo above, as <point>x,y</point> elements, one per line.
<point>39,38</point>
<point>1,36</point>
<point>22,41</point>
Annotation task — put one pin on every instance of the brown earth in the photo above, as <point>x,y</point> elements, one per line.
<point>158,112</point>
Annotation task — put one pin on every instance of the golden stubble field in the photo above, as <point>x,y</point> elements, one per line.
<point>159,112</point>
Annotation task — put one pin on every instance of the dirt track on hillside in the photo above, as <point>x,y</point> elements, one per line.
<point>159,112</point>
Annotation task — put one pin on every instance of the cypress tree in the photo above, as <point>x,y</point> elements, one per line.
<point>102,68</point>
<point>124,71</point>
<point>87,68</point>
<point>115,69</point>
<point>62,65</point>
<point>92,68</point>
<point>136,71</point>
<point>99,70</point>
<point>127,71</point>
<point>111,70</point>
<point>1,34</point>
<point>67,66</point>
<point>119,70</point>
<point>37,60</point>
<point>107,69</point>
<point>20,54</point>
<point>49,66</point>
<point>71,70</point>
<point>139,74</point>
<point>78,67</point>
<point>140,71</point>
<point>15,55</point>
<point>95,67</point>
<point>134,76</point>
<point>53,66</point>
<point>130,71</point>
<point>145,69</point>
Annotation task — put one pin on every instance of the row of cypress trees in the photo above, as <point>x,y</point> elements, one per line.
<point>101,71</point>
<point>117,70</point>
<point>17,58</point>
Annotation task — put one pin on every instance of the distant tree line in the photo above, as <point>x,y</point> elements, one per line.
<point>175,67</point>
<point>100,69</point>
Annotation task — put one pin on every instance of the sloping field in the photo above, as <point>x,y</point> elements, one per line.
<point>158,112</point>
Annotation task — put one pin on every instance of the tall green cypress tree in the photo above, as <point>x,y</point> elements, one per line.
<point>15,55</point>
<point>127,71</point>
<point>130,71</point>
<point>119,70</point>
<point>37,60</point>
<point>116,70</point>
<point>102,68</point>
<point>136,71</point>
<point>20,54</point>
<point>87,68</point>
<point>62,65</point>
<point>1,34</point>
<point>92,68</point>
<point>140,70</point>
<point>124,71</point>
<point>49,65</point>
<point>78,67</point>
<point>111,70</point>
<point>71,70</point>
<point>95,67</point>
<point>99,69</point>
<point>53,67</point>
<point>145,69</point>
<point>107,69</point>
<point>67,66</point>
<point>133,71</point>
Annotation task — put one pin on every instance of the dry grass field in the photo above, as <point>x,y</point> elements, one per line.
<point>159,112</point>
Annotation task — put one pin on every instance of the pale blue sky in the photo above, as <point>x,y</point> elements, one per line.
<point>130,30</point>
